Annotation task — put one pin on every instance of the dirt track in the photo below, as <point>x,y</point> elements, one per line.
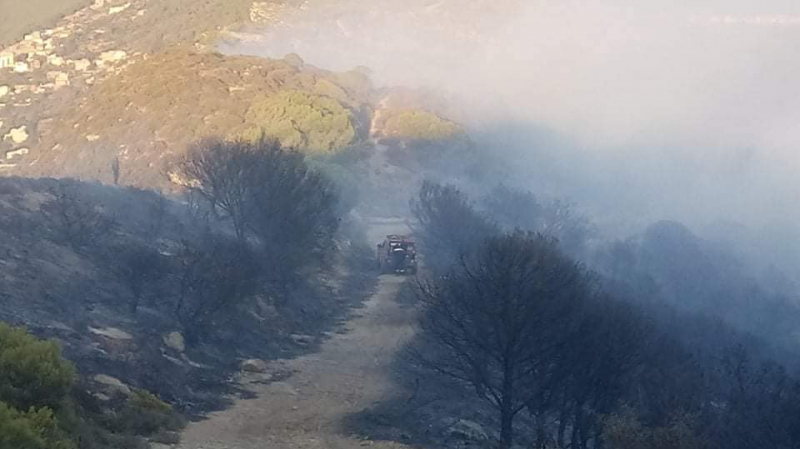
<point>306,410</point>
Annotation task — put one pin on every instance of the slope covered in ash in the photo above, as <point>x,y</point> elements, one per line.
<point>73,256</point>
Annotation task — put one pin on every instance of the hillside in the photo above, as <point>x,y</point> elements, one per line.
<point>153,110</point>
<point>81,295</point>
<point>137,83</point>
<point>20,18</point>
<point>102,267</point>
<point>42,73</point>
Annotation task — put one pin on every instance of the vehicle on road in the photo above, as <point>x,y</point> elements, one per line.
<point>397,254</point>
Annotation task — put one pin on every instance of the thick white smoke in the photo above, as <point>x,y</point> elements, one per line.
<point>664,109</point>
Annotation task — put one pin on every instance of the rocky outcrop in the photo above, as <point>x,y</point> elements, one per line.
<point>112,385</point>
<point>112,333</point>
<point>465,430</point>
<point>254,366</point>
<point>175,341</point>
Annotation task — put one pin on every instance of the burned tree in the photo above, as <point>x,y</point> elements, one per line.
<point>140,268</point>
<point>500,316</point>
<point>271,195</point>
<point>223,173</point>
<point>115,170</point>
<point>296,214</point>
<point>76,220</point>
<point>213,277</point>
<point>447,224</point>
<point>596,368</point>
<point>520,209</point>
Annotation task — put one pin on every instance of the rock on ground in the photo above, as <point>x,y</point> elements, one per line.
<point>113,384</point>
<point>175,341</point>
<point>463,429</point>
<point>254,366</point>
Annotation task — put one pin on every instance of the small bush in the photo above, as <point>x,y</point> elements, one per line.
<point>144,400</point>
<point>35,429</point>
<point>213,278</point>
<point>140,268</point>
<point>76,221</point>
<point>145,414</point>
<point>32,372</point>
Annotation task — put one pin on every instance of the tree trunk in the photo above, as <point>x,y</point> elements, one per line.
<point>506,427</point>
<point>134,305</point>
<point>541,432</point>
<point>576,424</point>
<point>562,429</point>
<point>507,406</point>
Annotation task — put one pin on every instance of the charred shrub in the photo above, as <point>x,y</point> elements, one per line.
<point>140,268</point>
<point>271,196</point>
<point>447,224</point>
<point>212,277</point>
<point>520,209</point>
<point>76,220</point>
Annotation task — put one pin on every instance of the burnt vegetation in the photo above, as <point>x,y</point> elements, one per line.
<point>76,222</point>
<point>235,267</point>
<point>271,197</point>
<point>530,326</point>
<point>562,355</point>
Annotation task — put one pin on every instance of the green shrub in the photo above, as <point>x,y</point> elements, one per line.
<point>145,414</point>
<point>32,372</point>
<point>35,429</point>
<point>420,125</point>
<point>34,377</point>
<point>146,401</point>
<point>328,89</point>
<point>301,120</point>
<point>356,82</point>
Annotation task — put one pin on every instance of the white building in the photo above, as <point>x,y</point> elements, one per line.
<point>55,60</point>
<point>21,67</point>
<point>6,60</point>
<point>60,79</point>
<point>18,152</point>
<point>36,36</point>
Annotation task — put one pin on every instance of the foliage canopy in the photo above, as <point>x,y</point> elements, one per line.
<point>308,122</point>
<point>420,125</point>
<point>32,372</point>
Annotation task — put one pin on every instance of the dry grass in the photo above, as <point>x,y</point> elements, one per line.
<point>152,111</point>
<point>18,17</point>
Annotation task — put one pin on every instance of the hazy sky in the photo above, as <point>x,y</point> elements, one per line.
<point>686,109</point>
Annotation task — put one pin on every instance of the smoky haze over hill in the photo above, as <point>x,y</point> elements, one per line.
<point>637,111</point>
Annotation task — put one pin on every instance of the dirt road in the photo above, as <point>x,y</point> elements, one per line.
<point>306,410</point>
